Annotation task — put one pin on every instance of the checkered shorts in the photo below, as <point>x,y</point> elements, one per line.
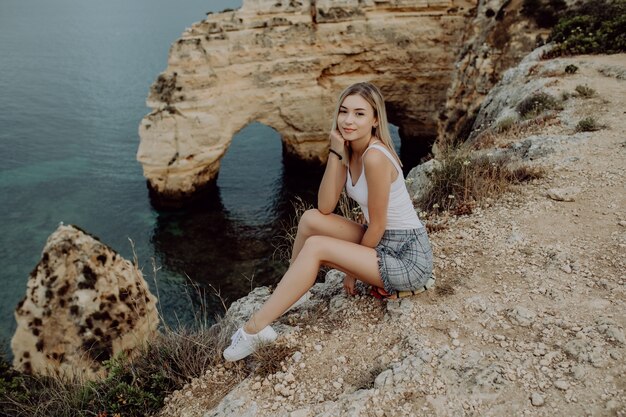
<point>405,259</point>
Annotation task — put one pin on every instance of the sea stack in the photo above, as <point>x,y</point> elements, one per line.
<point>84,304</point>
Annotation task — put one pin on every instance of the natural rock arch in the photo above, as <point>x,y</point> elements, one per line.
<point>283,63</point>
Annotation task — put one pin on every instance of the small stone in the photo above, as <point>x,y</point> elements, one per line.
<point>456,343</point>
<point>536,399</point>
<point>563,194</point>
<point>579,372</point>
<point>612,405</point>
<point>256,386</point>
<point>318,348</point>
<point>337,385</point>
<point>297,357</point>
<point>561,384</point>
<point>453,334</point>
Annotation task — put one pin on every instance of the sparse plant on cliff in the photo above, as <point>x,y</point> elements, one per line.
<point>571,69</point>
<point>588,124</point>
<point>536,104</point>
<point>584,91</point>
<point>505,124</point>
<point>462,181</point>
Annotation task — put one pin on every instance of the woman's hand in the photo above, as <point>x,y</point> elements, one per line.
<point>337,142</point>
<point>348,284</point>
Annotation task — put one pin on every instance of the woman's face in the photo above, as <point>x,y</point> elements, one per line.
<point>356,118</point>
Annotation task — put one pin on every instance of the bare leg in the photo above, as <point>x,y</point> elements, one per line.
<point>352,258</point>
<point>314,223</point>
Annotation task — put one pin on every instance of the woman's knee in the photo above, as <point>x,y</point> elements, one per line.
<point>309,221</point>
<point>314,245</point>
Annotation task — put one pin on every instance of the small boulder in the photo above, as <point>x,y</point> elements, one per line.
<point>84,304</point>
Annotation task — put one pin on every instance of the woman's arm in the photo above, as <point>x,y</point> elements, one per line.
<point>334,176</point>
<point>378,173</point>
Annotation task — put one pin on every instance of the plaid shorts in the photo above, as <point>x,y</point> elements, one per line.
<point>405,259</point>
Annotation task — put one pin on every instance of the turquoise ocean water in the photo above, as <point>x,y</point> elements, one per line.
<point>74,76</point>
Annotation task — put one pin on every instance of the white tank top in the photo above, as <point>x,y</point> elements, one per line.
<point>400,211</point>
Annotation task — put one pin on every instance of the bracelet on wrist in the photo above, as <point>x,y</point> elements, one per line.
<point>336,153</point>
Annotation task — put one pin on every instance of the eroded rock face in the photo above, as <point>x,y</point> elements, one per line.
<point>283,63</point>
<point>84,304</point>
<point>495,39</point>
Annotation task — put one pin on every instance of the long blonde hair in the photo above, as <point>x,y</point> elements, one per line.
<point>374,97</point>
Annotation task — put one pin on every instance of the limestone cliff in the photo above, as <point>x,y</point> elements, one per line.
<point>495,39</point>
<point>84,304</point>
<point>283,63</point>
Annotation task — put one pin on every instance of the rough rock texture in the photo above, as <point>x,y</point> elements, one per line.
<point>527,317</point>
<point>84,303</point>
<point>283,63</point>
<point>496,39</point>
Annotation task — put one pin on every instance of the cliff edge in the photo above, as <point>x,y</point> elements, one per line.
<point>527,314</point>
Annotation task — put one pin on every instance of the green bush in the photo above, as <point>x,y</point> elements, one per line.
<point>571,69</point>
<point>588,124</point>
<point>595,26</point>
<point>536,104</point>
<point>584,91</point>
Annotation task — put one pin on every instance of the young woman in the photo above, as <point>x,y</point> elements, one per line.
<point>391,252</point>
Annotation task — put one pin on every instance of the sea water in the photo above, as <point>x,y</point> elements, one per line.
<point>74,77</point>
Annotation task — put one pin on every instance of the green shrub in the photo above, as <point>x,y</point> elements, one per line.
<point>584,91</point>
<point>595,26</point>
<point>588,124</point>
<point>536,104</point>
<point>571,69</point>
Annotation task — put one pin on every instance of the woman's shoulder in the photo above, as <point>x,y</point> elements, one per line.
<point>376,160</point>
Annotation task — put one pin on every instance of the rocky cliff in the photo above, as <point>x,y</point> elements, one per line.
<point>84,304</point>
<point>283,63</point>
<point>527,314</point>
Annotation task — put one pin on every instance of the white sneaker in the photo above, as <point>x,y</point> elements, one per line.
<point>243,344</point>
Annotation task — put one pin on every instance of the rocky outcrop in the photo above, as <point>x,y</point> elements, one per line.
<point>495,39</point>
<point>527,315</point>
<point>84,304</point>
<point>283,63</point>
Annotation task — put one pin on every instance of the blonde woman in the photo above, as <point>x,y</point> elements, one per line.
<point>391,252</point>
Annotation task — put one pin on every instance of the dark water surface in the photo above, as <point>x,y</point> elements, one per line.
<point>74,76</point>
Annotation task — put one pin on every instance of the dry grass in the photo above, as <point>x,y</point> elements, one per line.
<point>270,358</point>
<point>584,91</point>
<point>501,135</point>
<point>133,386</point>
<point>535,104</point>
<point>588,124</point>
<point>462,181</point>
<point>444,290</point>
<point>283,243</point>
